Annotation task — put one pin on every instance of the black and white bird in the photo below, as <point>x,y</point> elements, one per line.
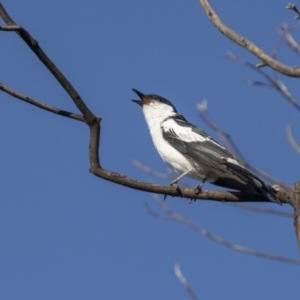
<point>191,152</point>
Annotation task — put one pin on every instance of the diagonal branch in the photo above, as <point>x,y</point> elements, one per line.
<point>172,216</point>
<point>272,83</point>
<point>286,34</point>
<point>238,205</point>
<point>292,139</point>
<point>184,282</point>
<point>247,44</point>
<point>41,105</point>
<point>228,141</point>
<point>34,46</point>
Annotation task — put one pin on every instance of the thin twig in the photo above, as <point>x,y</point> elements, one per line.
<point>230,144</point>
<point>276,84</point>
<point>286,34</point>
<point>184,282</point>
<point>171,216</point>
<point>291,139</point>
<point>40,104</point>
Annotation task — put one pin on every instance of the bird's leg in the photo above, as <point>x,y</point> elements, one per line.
<point>179,177</point>
<point>174,182</point>
<point>198,188</point>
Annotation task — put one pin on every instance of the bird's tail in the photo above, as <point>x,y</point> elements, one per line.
<point>242,179</point>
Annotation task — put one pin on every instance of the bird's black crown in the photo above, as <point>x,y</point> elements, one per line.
<point>162,99</point>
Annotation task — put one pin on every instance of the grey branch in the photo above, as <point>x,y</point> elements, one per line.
<point>41,105</point>
<point>279,86</point>
<point>169,215</point>
<point>247,44</point>
<point>291,138</point>
<point>297,212</point>
<point>230,144</point>
<point>184,282</point>
<point>286,34</point>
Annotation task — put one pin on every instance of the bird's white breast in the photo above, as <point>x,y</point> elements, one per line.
<point>169,154</point>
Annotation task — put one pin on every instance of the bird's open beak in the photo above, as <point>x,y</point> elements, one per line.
<point>141,95</point>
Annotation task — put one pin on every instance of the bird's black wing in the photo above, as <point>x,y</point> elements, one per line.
<point>193,142</point>
<point>202,149</point>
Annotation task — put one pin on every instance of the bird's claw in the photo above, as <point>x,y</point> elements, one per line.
<point>198,189</point>
<point>178,190</point>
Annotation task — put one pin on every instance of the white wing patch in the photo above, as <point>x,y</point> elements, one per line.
<point>233,161</point>
<point>186,134</point>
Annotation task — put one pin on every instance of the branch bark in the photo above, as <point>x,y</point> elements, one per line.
<point>297,211</point>
<point>247,44</point>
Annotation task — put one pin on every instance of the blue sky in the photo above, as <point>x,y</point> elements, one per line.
<point>66,234</point>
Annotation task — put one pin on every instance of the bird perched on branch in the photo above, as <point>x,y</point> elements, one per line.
<point>191,152</point>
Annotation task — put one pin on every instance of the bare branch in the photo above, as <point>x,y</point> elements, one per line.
<point>34,46</point>
<point>297,212</point>
<point>238,205</point>
<point>247,44</point>
<point>291,139</point>
<point>171,216</point>
<point>184,282</point>
<point>276,84</point>
<point>286,34</point>
<point>41,105</point>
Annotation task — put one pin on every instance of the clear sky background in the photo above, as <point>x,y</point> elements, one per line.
<point>66,234</point>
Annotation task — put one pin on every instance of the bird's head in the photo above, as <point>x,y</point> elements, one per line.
<point>155,106</point>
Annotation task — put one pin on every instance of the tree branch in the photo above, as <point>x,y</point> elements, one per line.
<point>291,138</point>
<point>184,282</point>
<point>229,143</point>
<point>34,46</point>
<point>171,216</point>
<point>286,34</point>
<point>273,83</point>
<point>41,105</point>
<point>297,212</point>
<point>247,44</point>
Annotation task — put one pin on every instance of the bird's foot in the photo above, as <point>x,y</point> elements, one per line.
<point>198,189</point>
<point>178,190</point>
